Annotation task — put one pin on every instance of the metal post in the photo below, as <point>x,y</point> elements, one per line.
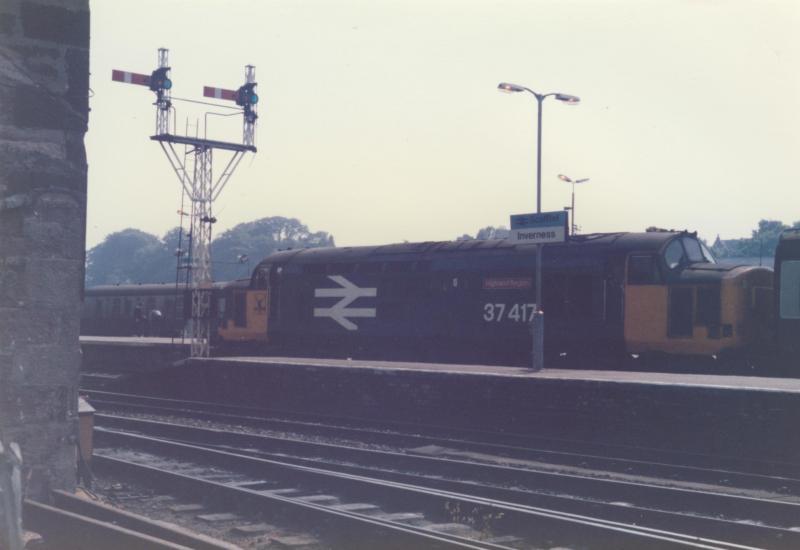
<point>539,100</point>
<point>538,316</point>
<point>537,359</point>
<point>574,225</point>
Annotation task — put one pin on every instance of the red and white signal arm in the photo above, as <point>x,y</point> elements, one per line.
<point>130,78</point>
<point>219,93</point>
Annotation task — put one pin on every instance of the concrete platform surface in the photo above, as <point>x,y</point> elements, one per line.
<point>710,381</point>
<point>133,340</point>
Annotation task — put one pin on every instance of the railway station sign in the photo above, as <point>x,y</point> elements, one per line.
<point>541,228</point>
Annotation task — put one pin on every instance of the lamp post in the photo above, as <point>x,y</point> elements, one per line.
<point>567,179</point>
<point>566,98</point>
<point>537,322</point>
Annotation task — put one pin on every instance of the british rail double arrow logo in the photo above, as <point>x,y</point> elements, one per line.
<point>348,292</point>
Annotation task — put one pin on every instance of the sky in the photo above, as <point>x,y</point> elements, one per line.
<point>381,122</point>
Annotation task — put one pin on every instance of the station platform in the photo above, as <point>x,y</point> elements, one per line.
<point>130,354</point>
<point>742,416</point>
<point>133,340</point>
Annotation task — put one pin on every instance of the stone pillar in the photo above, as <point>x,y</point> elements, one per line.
<point>44,90</point>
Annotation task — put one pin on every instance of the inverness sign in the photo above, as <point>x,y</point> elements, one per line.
<point>541,228</point>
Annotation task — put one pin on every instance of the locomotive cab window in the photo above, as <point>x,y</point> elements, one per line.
<point>674,254</point>
<point>709,257</point>
<point>643,270</point>
<point>693,250</point>
<point>262,277</point>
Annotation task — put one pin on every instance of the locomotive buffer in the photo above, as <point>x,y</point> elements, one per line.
<point>539,228</point>
<point>195,172</point>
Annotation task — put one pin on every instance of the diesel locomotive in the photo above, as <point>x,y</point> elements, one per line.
<point>604,296</point>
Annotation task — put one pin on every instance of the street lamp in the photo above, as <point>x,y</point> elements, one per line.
<point>507,87</point>
<point>562,177</point>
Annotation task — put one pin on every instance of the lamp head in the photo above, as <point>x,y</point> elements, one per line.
<point>509,88</point>
<point>568,99</point>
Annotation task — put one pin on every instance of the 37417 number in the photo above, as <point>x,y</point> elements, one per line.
<point>518,313</point>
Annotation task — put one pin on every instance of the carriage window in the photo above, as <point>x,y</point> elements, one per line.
<point>643,270</point>
<point>115,307</point>
<point>790,290</point>
<point>674,254</point>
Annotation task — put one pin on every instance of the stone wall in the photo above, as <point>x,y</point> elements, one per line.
<point>44,90</point>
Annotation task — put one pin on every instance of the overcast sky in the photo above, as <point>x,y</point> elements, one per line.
<point>380,121</point>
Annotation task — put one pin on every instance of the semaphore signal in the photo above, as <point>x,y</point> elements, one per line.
<point>194,170</point>
<point>131,78</point>
<point>245,97</point>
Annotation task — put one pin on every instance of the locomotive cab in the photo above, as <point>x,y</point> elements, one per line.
<point>243,312</point>
<point>680,300</point>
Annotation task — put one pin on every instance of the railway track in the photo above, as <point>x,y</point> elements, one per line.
<point>610,512</point>
<point>368,512</point>
<point>780,477</point>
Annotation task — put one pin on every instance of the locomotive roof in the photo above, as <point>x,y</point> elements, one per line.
<point>592,242</point>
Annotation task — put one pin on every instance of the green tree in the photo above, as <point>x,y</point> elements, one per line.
<point>488,232</point>
<point>127,256</point>
<point>133,256</point>
<point>258,239</point>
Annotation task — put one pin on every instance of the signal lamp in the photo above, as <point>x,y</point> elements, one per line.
<point>159,79</point>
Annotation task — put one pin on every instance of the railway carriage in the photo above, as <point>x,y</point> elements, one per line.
<point>604,295</point>
<point>111,310</point>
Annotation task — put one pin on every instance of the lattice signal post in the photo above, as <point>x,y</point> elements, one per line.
<point>195,171</point>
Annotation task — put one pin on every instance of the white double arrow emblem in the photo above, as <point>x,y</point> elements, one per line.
<point>348,294</point>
